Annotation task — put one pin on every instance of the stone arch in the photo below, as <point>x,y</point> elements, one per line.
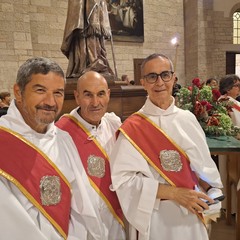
<point>234,9</point>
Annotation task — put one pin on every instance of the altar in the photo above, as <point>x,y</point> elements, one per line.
<point>229,146</point>
<point>223,145</point>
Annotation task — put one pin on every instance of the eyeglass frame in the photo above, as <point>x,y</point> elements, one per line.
<point>236,85</point>
<point>157,76</point>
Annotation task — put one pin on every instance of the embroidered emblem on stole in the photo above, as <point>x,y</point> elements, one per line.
<point>50,190</point>
<point>170,160</point>
<point>96,166</point>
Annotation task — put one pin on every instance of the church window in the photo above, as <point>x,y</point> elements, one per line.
<point>236,27</point>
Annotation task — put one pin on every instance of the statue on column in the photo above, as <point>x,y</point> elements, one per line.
<point>87,27</point>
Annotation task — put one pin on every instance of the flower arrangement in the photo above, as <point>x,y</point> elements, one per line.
<point>212,114</point>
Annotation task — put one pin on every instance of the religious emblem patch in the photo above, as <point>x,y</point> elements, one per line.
<point>50,190</point>
<point>170,160</point>
<point>96,166</point>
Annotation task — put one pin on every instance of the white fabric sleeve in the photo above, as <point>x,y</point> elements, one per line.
<point>134,183</point>
<point>15,222</point>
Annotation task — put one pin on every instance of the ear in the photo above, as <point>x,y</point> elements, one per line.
<point>108,92</point>
<point>17,93</point>
<point>76,96</point>
<point>143,83</point>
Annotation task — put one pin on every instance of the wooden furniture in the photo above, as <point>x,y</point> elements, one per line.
<point>229,146</point>
<point>137,62</point>
<point>124,99</point>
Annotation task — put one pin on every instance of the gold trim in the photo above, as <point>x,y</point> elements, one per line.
<point>151,163</point>
<point>24,191</point>
<point>39,151</point>
<point>158,128</point>
<point>107,202</point>
<point>88,133</point>
<point>146,157</point>
<point>90,180</point>
<point>33,201</point>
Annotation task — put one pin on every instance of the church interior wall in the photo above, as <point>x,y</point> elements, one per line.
<point>208,36</point>
<point>35,28</point>
<point>204,29</point>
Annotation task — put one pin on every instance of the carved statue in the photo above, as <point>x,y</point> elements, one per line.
<point>87,27</point>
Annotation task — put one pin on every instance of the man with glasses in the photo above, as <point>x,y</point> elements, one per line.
<point>157,161</point>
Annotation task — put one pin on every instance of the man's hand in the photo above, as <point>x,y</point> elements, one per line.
<point>193,200</point>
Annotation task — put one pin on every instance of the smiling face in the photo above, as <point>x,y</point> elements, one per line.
<point>159,92</point>
<point>92,96</point>
<point>41,101</point>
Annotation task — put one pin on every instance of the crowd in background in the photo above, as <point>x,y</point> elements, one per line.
<point>5,99</point>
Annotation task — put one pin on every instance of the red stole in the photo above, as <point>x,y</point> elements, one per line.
<point>150,140</point>
<point>235,106</point>
<point>25,165</point>
<point>89,146</point>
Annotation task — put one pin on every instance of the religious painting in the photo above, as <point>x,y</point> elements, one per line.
<point>126,20</point>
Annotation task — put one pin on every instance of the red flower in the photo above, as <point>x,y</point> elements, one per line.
<point>208,106</point>
<point>198,109</point>
<point>213,121</point>
<point>216,94</point>
<point>196,82</point>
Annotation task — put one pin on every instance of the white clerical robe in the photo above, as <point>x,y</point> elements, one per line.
<point>136,182</point>
<point>19,218</point>
<point>105,135</point>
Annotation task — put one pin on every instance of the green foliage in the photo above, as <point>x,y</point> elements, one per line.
<point>212,114</point>
<point>205,94</point>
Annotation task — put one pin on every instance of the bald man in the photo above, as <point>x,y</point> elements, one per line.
<point>93,131</point>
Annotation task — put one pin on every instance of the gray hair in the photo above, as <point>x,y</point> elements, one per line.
<point>226,83</point>
<point>153,56</point>
<point>34,66</point>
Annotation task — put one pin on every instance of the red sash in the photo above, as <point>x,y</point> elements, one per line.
<point>25,165</point>
<point>149,140</point>
<point>86,147</point>
<point>236,107</point>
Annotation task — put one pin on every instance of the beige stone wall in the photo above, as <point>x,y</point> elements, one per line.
<point>208,36</point>
<point>163,20</point>
<point>35,28</point>
<point>29,28</point>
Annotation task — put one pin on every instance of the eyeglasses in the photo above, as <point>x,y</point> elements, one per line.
<point>166,76</point>
<point>237,85</point>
